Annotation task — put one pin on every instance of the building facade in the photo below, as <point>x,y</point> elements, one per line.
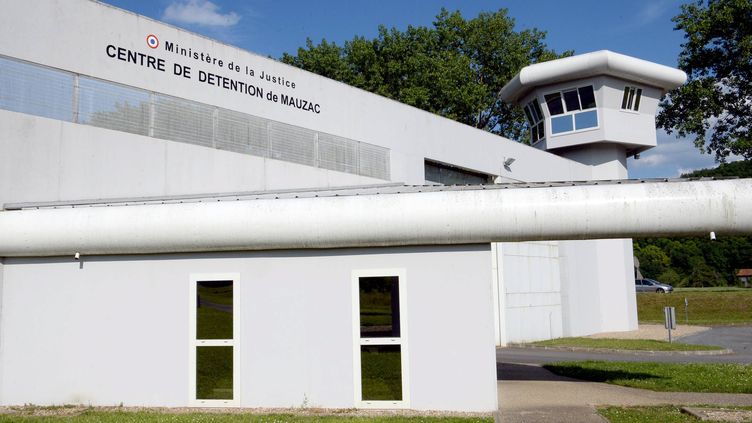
<point>131,112</point>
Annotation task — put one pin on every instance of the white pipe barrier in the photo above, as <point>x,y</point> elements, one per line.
<point>432,218</point>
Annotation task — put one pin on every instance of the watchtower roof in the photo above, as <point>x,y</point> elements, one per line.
<point>603,62</point>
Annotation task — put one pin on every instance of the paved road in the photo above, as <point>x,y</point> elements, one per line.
<point>528,393</point>
<point>737,338</point>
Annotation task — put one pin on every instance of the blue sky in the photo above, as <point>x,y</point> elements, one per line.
<point>640,28</point>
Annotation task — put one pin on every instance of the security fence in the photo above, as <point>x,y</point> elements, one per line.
<point>53,93</point>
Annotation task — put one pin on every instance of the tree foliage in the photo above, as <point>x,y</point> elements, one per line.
<point>716,104</point>
<point>455,68</point>
<point>698,261</point>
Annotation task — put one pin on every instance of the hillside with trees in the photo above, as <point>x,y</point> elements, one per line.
<point>698,262</point>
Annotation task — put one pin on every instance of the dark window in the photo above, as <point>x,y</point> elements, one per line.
<point>379,307</point>
<point>214,340</point>
<point>554,104</point>
<point>380,338</point>
<point>576,113</point>
<point>214,372</point>
<point>535,120</point>
<point>631,98</point>
<point>381,372</point>
<point>587,97</point>
<point>214,310</point>
<point>451,175</point>
<point>537,110</point>
<point>572,100</point>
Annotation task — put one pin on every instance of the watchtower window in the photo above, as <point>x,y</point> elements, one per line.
<point>572,109</point>
<point>534,116</point>
<point>631,98</point>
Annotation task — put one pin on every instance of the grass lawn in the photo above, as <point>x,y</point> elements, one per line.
<point>707,306</point>
<point>625,344</point>
<point>92,416</point>
<point>664,414</point>
<point>731,378</point>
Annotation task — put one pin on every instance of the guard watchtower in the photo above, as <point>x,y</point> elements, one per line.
<point>596,108</point>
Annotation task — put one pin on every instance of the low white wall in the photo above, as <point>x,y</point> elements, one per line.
<point>597,287</point>
<point>112,330</point>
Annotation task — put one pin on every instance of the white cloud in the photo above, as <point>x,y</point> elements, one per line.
<point>652,11</point>
<point>672,157</point>
<point>199,12</point>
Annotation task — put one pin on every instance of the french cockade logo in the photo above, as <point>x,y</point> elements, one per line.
<point>152,41</point>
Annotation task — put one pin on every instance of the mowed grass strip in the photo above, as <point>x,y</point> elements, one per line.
<point>670,377</point>
<point>663,414</point>
<point>93,415</point>
<point>624,344</point>
<point>706,307</point>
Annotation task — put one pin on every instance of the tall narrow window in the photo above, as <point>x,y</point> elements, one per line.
<point>631,98</point>
<point>213,338</point>
<point>534,116</point>
<point>380,339</point>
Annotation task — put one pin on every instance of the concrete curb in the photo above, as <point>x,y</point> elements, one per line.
<point>724,351</point>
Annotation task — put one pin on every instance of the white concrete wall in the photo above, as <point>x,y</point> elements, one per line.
<point>111,330</point>
<point>411,134</point>
<point>49,160</point>
<point>597,287</point>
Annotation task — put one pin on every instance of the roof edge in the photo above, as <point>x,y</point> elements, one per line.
<point>603,62</point>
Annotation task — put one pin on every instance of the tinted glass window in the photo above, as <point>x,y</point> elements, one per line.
<point>541,131</point>
<point>381,372</point>
<point>214,310</point>
<point>450,175</point>
<point>379,307</point>
<point>587,97</point>
<point>586,120</point>
<point>625,98</point>
<point>636,105</point>
<point>529,115</point>
<point>214,372</point>
<point>537,110</point>
<point>555,106</point>
<point>561,124</point>
<point>571,100</point>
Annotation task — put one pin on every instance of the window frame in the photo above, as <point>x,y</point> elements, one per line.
<point>194,343</point>
<point>402,340</point>
<point>533,109</point>
<point>573,113</point>
<point>632,95</point>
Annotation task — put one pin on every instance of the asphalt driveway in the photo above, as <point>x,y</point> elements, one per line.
<point>736,338</point>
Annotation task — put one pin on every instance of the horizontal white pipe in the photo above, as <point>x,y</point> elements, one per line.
<point>447,217</point>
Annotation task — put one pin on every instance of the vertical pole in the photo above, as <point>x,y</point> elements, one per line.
<point>686,310</point>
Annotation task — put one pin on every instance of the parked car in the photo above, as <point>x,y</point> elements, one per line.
<point>652,285</point>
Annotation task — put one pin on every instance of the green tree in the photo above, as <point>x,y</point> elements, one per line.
<point>741,168</point>
<point>716,104</point>
<point>456,68</point>
<point>653,261</point>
